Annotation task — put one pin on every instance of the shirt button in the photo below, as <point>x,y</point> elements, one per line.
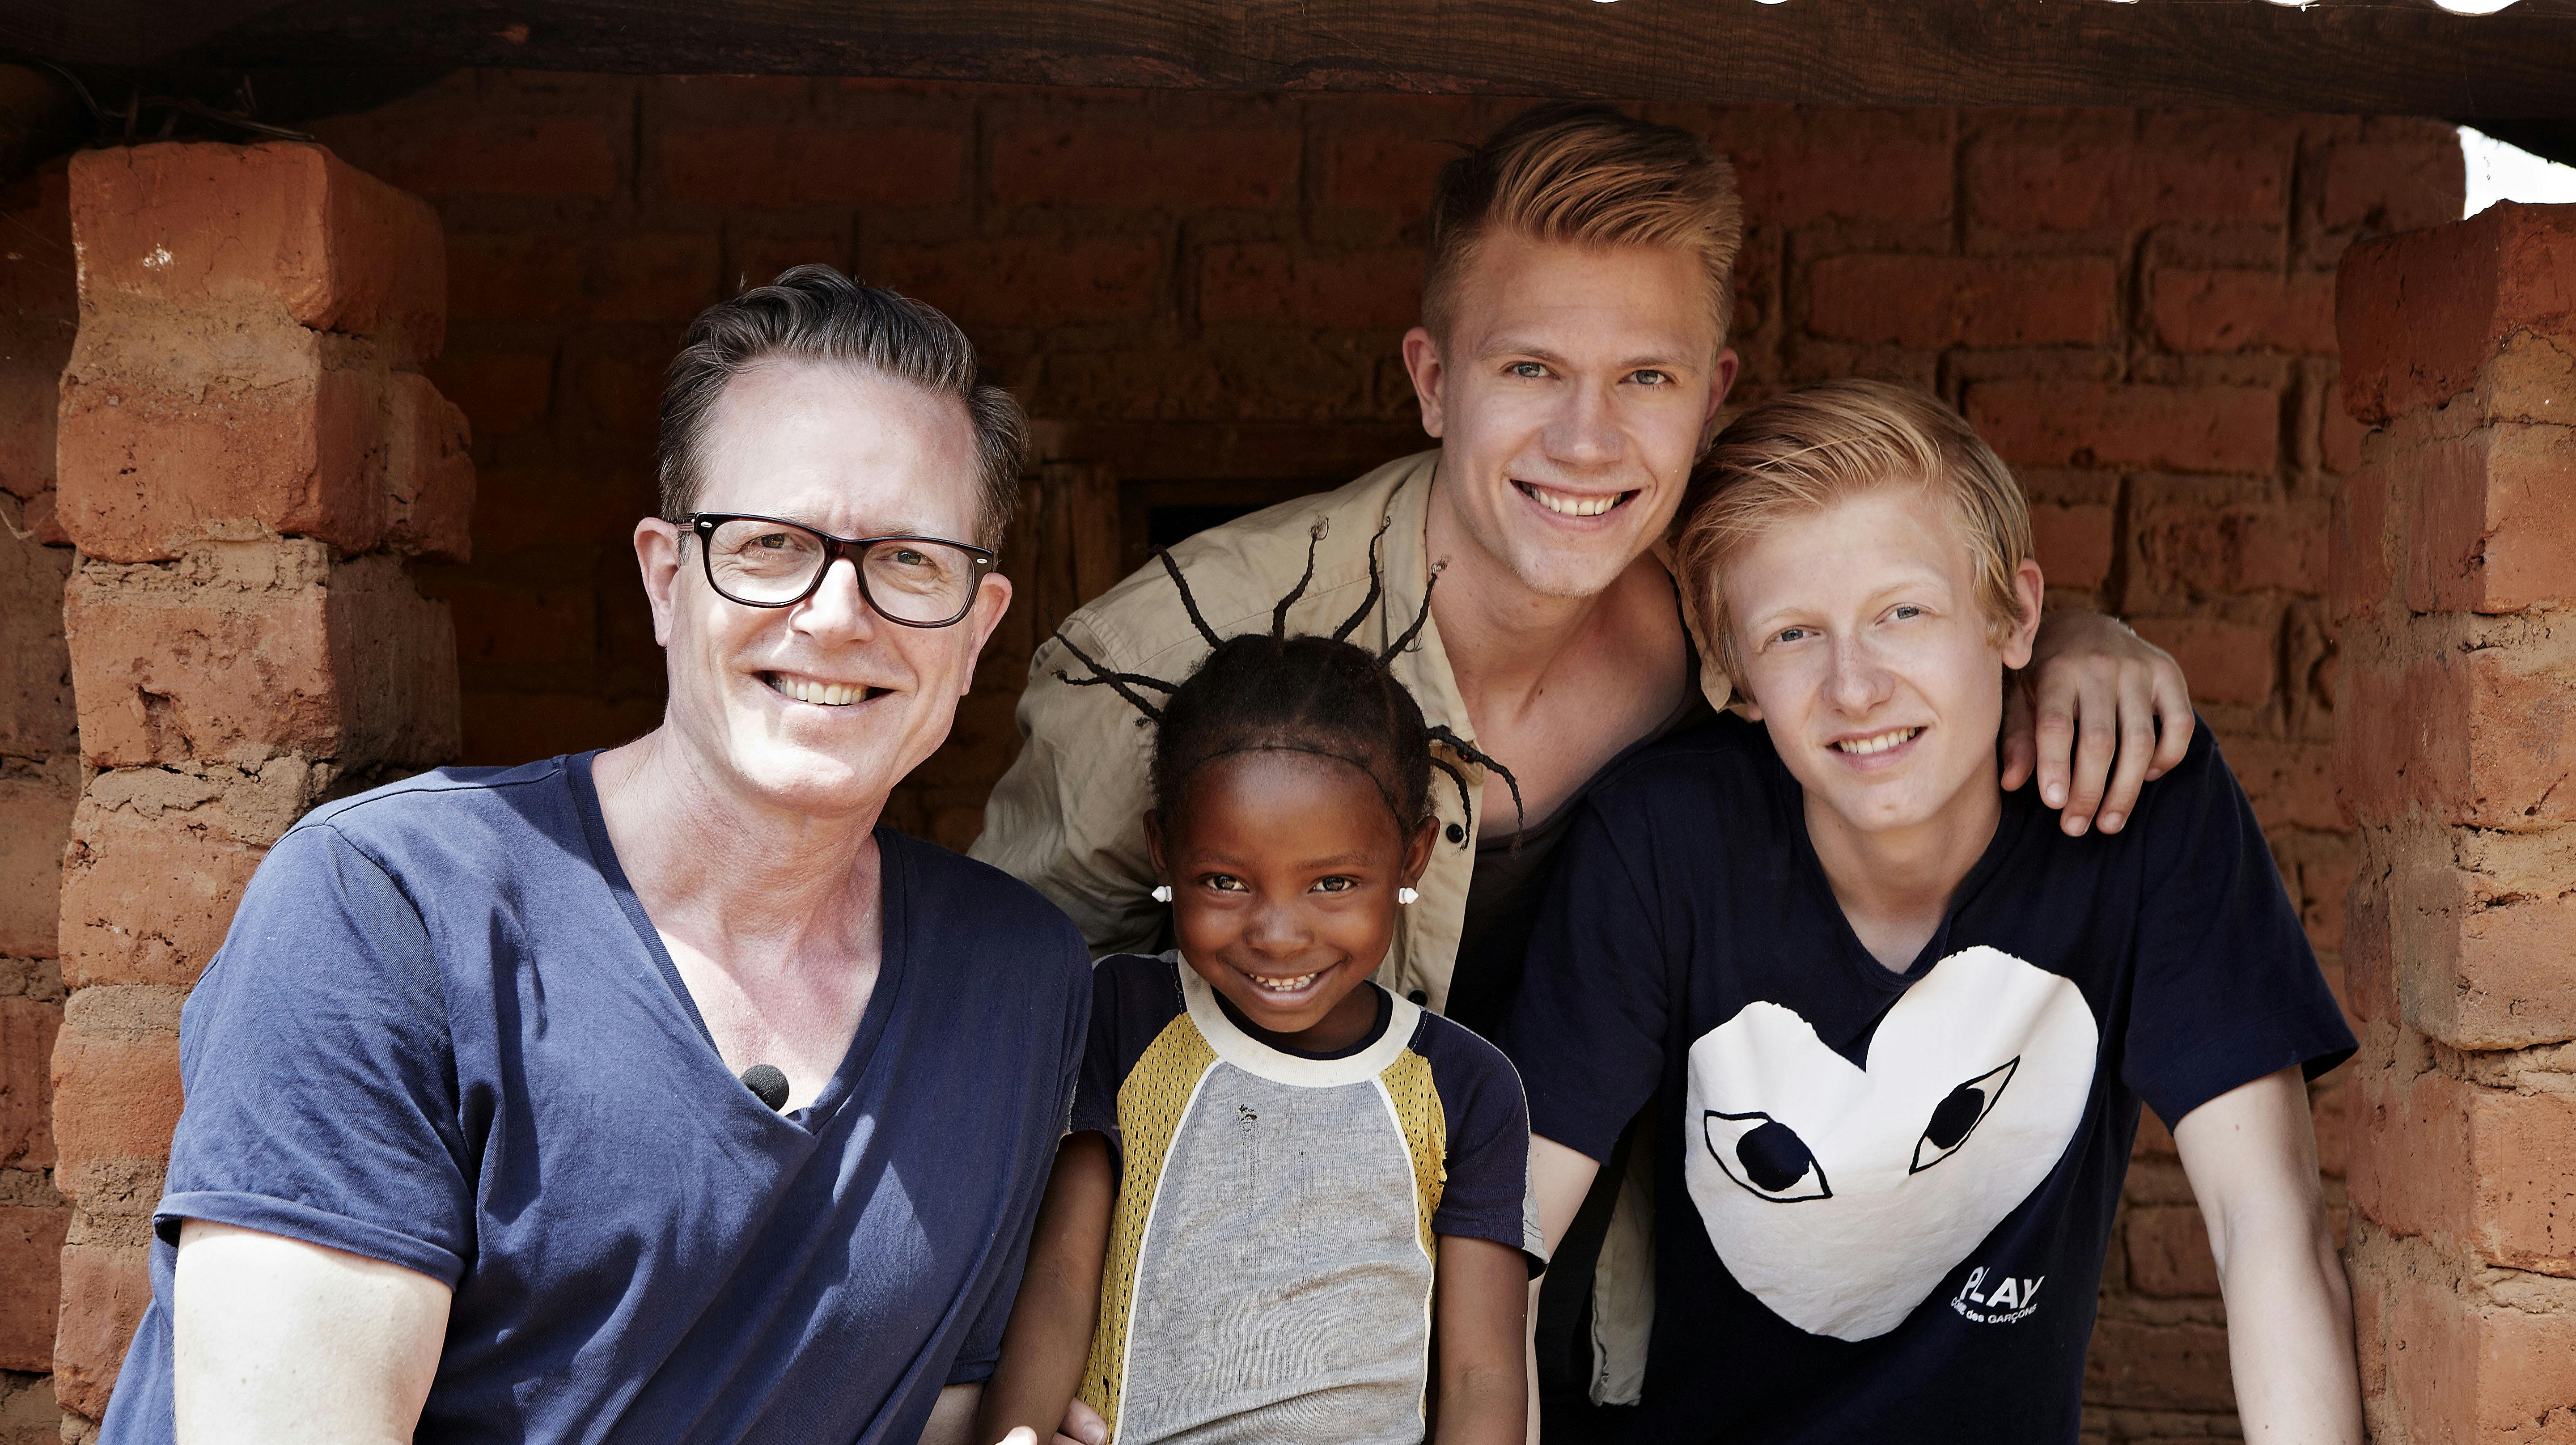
<point>1457,834</point>
<point>1418,996</point>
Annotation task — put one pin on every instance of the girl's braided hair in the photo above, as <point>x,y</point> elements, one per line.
<point>1328,696</point>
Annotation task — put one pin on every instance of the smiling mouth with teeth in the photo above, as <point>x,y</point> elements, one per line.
<point>1882,742</point>
<point>1566,504</point>
<point>1285,985</point>
<point>824,694</point>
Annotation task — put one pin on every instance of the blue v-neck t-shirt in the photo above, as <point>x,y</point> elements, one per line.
<point>443,1034</point>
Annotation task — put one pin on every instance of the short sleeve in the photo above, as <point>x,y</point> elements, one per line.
<point>2226,987</point>
<point>319,1072</point>
<point>1485,1194</point>
<point>1587,1030</point>
<point>1133,996</point>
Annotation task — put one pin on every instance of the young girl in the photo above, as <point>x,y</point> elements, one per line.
<point>1290,1206</point>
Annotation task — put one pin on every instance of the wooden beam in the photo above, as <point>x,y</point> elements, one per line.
<point>2354,56</point>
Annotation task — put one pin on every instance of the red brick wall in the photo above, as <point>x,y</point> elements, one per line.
<point>2454,561</point>
<point>1205,289</point>
<point>39,779</point>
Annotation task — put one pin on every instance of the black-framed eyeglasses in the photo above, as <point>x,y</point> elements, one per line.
<point>772,562</point>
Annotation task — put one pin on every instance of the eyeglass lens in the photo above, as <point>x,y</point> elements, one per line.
<point>767,563</point>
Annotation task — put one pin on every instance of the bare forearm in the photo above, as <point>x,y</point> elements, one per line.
<point>2289,1340</point>
<point>1482,1407</point>
<point>1049,1337</point>
<point>1482,1341</point>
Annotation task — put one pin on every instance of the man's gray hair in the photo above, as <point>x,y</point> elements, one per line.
<point>814,313</point>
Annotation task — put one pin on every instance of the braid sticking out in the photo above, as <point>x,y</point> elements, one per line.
<point>1307,693</point>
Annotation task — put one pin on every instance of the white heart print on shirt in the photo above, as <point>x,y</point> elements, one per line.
<point>1841,1196</point>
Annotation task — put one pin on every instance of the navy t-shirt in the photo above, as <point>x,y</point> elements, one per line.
<point>442,1033</point>
<point>1882,1199</point>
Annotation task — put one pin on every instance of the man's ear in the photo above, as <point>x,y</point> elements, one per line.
<point>1721,380</point>
<point>1422,362</point>
<point>2028,590</point>
<point>657,553</point>
<point>992,599</point>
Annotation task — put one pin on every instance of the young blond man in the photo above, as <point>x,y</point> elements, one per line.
<point>1571,362</point>
<point>1897,1026</point>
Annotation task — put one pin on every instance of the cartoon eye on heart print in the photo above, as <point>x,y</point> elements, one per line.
<point>1840,1196</point>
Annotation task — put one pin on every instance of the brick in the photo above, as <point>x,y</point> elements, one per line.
<point>516,278</point>
<point>2200,549</point>
<point>511,727</point>
<point>116,1097</point>
<point>2339,440</point>
<point>36,716</point>
<point>2467,1166</point>
<point>500,392</point>
<point>258,649</point>
<point>2485,938</point>
<point>477,150</point>
<point>2403,187</point>
<point>1383,171</point>
<point>1087,162</point>
<point>2324,892</point>
<point>2421,315</point>
<point>657,278</point>
<point>27,1030</point>
<point>214,227</point>
<point>2289,784</point>
<point>2111,424</point>
<point>1271,284</point>
<point>35,819</point>
<point>429,473</point>
<point>2227,662</point>
<point>154,458</point>
<point>2369,948</point>
<point>2467,1369</point>
<point>1809,166</point>
<point>1927,302</point>
<point>533,632</point>
<point>147,898</point>
<point>2244,311</point>
<point>2493,520</point>
<point>783,166</point>
<point>2484,737</point>
<point>2073,544</point>
<point>2117,185</point>
<point>31,1246</point>
<point>2359,576</point>
<point>2135,1365</point>
<point>2169,1254</point>
<point>1030,282</point>
<point>106,1289</point>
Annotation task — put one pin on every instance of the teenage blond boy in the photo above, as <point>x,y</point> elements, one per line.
<point>1897,1026</point>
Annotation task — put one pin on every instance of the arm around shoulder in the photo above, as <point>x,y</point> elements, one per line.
<point>276,1339</point>
<point>2252,1159</point>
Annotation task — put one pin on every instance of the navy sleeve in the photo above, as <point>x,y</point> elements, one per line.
<point>1587,1031</point>
<point>1485,1194</point>
<point>319,1073</point>
<point>1133,996</point>
<point>981,1350</point>
<point>2226,988</point>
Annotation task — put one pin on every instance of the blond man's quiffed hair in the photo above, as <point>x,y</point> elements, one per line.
<point>1586,174</point>
<point>1803,452</point>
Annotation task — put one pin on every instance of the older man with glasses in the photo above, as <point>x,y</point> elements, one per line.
<point>657,1093</point>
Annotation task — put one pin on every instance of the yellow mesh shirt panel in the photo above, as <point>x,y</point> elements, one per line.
<point>1151,1102</point>
<point>1426,1133</point>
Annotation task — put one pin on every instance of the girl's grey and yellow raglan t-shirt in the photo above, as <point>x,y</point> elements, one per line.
<point>442,1033</point>
<point>1270,1256</point>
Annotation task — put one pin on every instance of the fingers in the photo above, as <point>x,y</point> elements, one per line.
<point>2052,704</point>
<point>1021,1435</point>
<point>2020,747</point>
<point>2174,718</point>
<point>2097,743</point>
<point>2137,734</point>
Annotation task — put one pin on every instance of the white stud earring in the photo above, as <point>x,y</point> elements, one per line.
<point>1406,895</point>
<point>1162,892</point>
